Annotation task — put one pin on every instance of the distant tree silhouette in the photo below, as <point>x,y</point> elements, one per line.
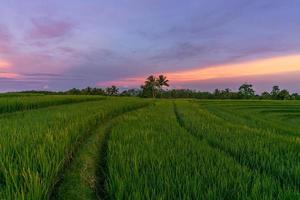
<point>151,84</point>
<point>246,91</point>
<point>87,91</point>
<point>154,85</point>
<point>131,93</point>
<point>283,95</point>
<point>265,95</point>
<point>275,91</point>
<point>112,91</point>
<point>162,81</point>
<point>73,91</point>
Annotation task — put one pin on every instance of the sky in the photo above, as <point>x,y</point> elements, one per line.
<point>197,44</point>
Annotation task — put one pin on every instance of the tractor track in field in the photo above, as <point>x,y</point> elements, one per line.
<point>216,146</point>
<point>107,122</point>
<point>103,169</point>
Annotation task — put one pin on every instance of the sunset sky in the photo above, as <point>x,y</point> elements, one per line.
<point>198,44</point>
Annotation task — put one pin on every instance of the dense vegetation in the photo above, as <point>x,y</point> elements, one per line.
<point>155,87</point>
<point>25,102</point>
<point>189,153</point>
<point>35,145</point>
<point>81,147</point>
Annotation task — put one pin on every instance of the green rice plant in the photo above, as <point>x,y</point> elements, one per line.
<point>180,149</point>
<point>21,103</point>
<point>36,145</point>
<point>85,177</point>
<point>150,156</point>
<point>280,117</point>
<point>261,151</point>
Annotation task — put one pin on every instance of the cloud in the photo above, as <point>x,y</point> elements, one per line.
<point>51,77</point>
<point>46,28</point>
<point>66,48</point>
<point>206,22</point>
<point>5,40</point>
<point>276,65</point>
<point>181,51</point>
<point>42,75</point>
<point>8,75</point>
<point>261,82</point>
<point>4,64</point>
<point>125,83</point>
<point>262,67</point>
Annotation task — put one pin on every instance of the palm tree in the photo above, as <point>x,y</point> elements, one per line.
<point>162,81</point>
<point>152,84</point>
<point>113,90</point>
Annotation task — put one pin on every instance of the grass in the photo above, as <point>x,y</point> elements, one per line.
<point>36,145</point>
<point>266,115</point>
<point>70,147</point>
<point>21,103</point>
<point>156,158</point>
<point>86,176</point>
<point>262,151</point>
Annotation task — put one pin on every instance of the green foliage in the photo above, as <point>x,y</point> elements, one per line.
<point>20,103</point>
<point>275,91</point>
<point>153,86</point>
<point>266,95</point>
<point>206,158</point>
<point>246,91</point>
<point>131,93</point>
<point>81,179</point>
<point>36,145</point>
<point>112,91</point>
<point>262,151</point>
<point>131,148</point>
<point>284,95</point>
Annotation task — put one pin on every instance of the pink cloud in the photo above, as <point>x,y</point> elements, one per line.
<point>68,50</point>
<point>45,28</point>
<point>5,40</point>
<point>269,67</point>
<point>127,82</point>
<point>4,64</point>
<point>42,63</point>
<point>9,75</point>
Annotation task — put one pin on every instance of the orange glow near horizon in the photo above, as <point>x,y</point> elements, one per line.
<point>261,67</point>
<point>269,66</point>
<point>4,64</point>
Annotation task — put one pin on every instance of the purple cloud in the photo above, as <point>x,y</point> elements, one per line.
<point>5,40</point>
<point>77,43</point>
<point>46,28</point>
<point>181,51</point>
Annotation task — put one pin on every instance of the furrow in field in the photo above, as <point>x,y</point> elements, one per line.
<point>35,146</point>
<point>255,116</point>
<point>155,158</point>
<point>262,154</point>
<point>235,121</point>
<point>84,177</point>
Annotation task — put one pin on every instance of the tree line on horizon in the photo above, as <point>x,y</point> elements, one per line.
<point>154,87</point>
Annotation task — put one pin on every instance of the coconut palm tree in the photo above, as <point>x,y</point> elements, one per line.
<point>162,81</point>
<point>152,84</point>
<point>111,91</point>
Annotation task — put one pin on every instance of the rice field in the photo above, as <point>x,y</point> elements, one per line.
<point>83,147</point>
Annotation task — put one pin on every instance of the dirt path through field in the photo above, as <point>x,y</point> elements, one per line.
<point>84,175</point>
